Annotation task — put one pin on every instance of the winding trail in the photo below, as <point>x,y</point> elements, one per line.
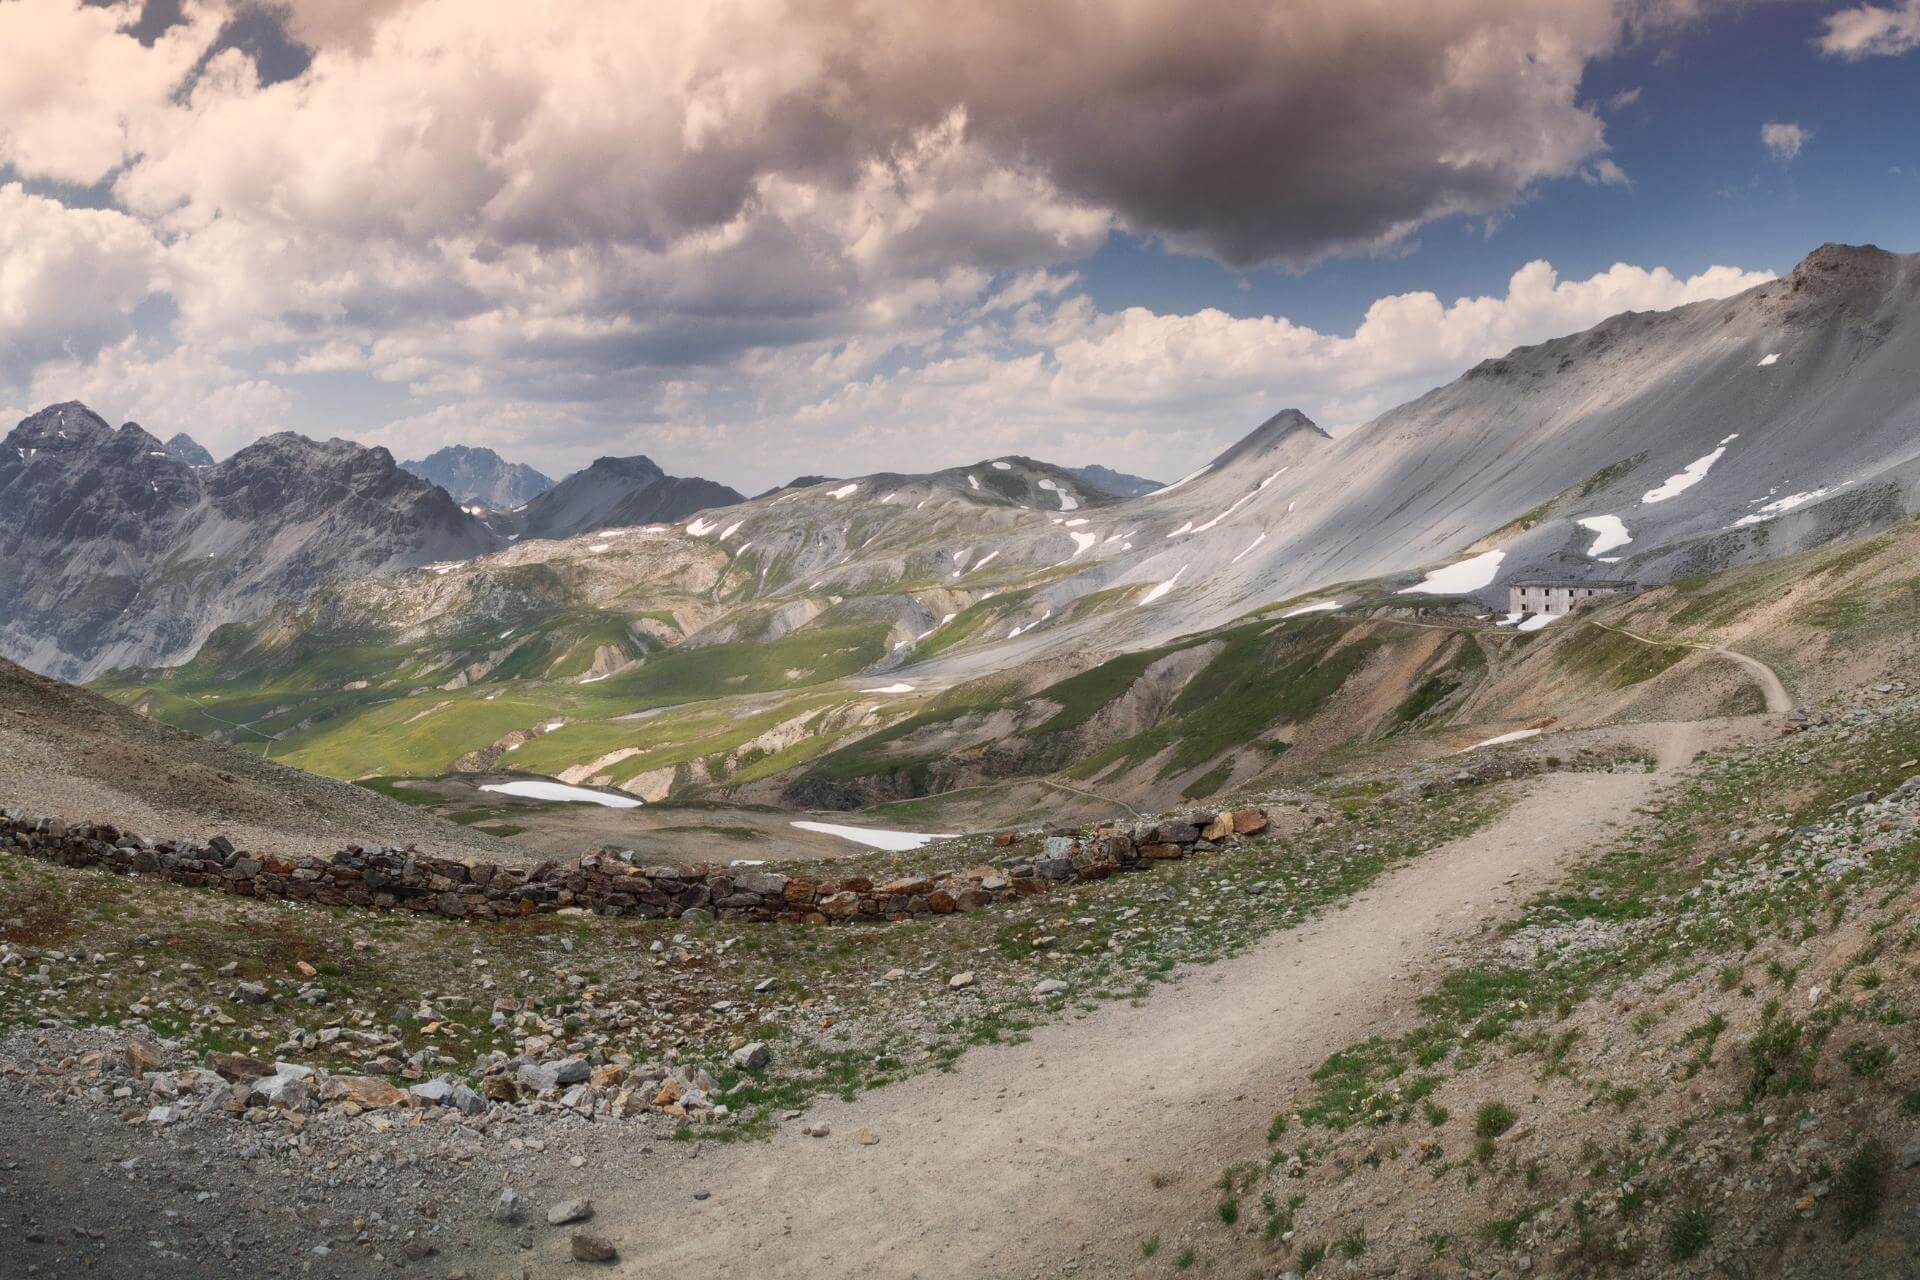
<point>1779,701</point>
<point>1069,1148</point>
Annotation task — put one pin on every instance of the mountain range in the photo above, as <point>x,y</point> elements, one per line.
<point>1652,447</point>
<point>114,551</point>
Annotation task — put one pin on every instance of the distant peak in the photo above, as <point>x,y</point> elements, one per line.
<point>184,448</point>
<point>638,464</point>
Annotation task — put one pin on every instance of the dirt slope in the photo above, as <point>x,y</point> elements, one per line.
<point>68,752</point>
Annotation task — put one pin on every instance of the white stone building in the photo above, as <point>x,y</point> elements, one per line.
<point>1556,598</point>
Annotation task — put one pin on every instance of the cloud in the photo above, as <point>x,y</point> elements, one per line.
<point>1152,392</point>
<point>1605,173</point>
<point>170,390</point>
<point>1872,31</point>
<point>1624,99</point>
<point>756,217</point>
<point>80,90</point>
<point>69,278</point>
<point>1784,141</point>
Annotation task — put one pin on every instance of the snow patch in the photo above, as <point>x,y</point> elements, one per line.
<point>1516,736</point>
<point>1003,466</point>
<point>731,529</point>
<point>1539,620</point>
<point>902,687</point>
<point>1081,541</point>
<point>984,560</point>
<point>1780,506</point>
<point>1771,359</point>
<point>1020,631</point>
<point>973,480</point>
<point>1612,533</point>
<point>1249,551</point>
<point>1067,501</point>
<point>1192,475</point>
<point>597,548</point>
<point>1681,481</point>
<point>1461,576</point>
<point>561,791</point>
<point>1202,528</point>
<point>844,492</point>
<point>874,837</point>
<point>1318,606</point>
<point>702,527</point>
<point>1164,587</point>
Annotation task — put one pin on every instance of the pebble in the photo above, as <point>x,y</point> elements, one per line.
<point>569,1211</point>
<point>587,1248</point>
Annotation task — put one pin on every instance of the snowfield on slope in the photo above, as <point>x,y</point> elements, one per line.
<point>1460,577</point>
<point>1611,531</point>
<point>873,837</point>
<point>1164,587</point>
<point>1516,736</point>
<point>561,791</point>
<point>1692,474</point>
<point>1779,507</point>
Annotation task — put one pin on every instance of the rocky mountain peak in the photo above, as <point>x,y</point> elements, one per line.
<point>68,424</point>
<point>184,448</point>
<point>1287,426</point>
<point>615,492</point>
<point>481,476</point>
<point>637,467</point>
<point>1840,269</point>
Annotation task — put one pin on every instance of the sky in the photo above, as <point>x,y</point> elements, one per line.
<point>759,238</point>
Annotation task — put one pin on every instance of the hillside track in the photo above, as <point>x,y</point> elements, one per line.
<point>1068,1148</point>
<point>1779,700</point>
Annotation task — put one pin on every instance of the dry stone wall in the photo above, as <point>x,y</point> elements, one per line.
<point>612,882</point>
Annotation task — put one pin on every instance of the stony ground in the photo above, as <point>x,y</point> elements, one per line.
<point>271,1174</point>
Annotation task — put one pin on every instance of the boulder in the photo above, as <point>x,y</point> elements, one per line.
<point>843,905</point>
<point>144,1057</point>
<point>238,1067</point>
<point>1249,822</point>
<point>750,1057</point>
<point>363,1091</point>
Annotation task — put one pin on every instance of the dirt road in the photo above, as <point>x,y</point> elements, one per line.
<point>1035,1155</point>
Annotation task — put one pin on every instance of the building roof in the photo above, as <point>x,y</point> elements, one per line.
<point>1565,583</point>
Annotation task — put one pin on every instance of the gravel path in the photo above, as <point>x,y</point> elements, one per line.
<point>1067,1149</point>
